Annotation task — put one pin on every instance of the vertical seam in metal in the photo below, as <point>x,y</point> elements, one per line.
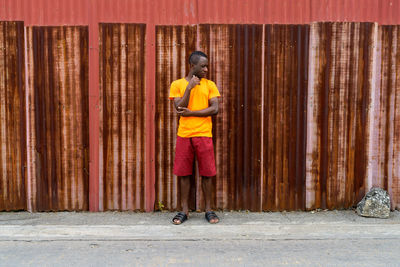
<point>198,36</point>
<point>28,158</point>
<point>197,19</point>
<point>262,116</point>
<point>94,93</point>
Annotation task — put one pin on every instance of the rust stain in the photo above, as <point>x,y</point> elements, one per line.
<point>58,117</point>
<point>122,117</point>
<point>285,92</point>
<point>12,117</point>
<point>388,144</point>
<point>340,92</point>
<point>173,47</point>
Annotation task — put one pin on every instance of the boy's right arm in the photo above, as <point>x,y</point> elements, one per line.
<point>184,101</point>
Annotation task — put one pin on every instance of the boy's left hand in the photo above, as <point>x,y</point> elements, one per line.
<point>185,112</point>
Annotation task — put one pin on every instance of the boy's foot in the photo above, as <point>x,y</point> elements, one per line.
<point>212,217</point>
<point>179,218</point>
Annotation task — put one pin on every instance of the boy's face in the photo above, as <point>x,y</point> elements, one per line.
<point>201,68</point>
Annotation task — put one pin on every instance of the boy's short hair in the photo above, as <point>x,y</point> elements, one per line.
<point>195,57</point>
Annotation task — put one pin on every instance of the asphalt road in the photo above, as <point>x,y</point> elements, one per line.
<point>342,252</point>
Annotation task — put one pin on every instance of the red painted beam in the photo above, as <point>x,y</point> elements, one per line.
<point>94,119</point>
<point>150,111</point>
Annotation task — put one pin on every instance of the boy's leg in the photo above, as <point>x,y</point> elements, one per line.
<point>205,156</point>
<point>185,184</point>
<point>207,186</point>
<point>183,166</point>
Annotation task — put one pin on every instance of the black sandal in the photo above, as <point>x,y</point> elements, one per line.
<point>210,215</point>
<point>181,216</point>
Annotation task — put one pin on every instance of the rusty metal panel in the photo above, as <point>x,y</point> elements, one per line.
<point>385,135</point>
<point>173,47</point>
<point>235,53</point>
<point>57,108</point>
<point>284,134</point>
<point>338,98</point>
<point>12,117</point>
<point>122,117</point>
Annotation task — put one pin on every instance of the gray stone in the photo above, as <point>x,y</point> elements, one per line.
<point>376,203</point>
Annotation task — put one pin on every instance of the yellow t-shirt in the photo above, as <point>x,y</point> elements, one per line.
<point>199,96</point>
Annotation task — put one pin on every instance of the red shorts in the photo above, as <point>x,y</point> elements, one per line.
<point>185,150</point>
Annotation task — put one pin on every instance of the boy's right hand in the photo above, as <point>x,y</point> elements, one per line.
<point>193,82</point>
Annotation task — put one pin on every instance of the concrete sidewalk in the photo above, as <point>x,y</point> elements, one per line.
<point>233,226</point>
<point>326,238</point>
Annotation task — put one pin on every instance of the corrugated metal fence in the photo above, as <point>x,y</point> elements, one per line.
<point>309,114</point>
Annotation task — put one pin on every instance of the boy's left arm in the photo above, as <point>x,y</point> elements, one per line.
<point>210,111</point>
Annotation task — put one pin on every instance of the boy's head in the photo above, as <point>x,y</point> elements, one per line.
<point>198,62</point>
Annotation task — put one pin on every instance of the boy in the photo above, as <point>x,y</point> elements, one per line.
<point>196,100</point>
